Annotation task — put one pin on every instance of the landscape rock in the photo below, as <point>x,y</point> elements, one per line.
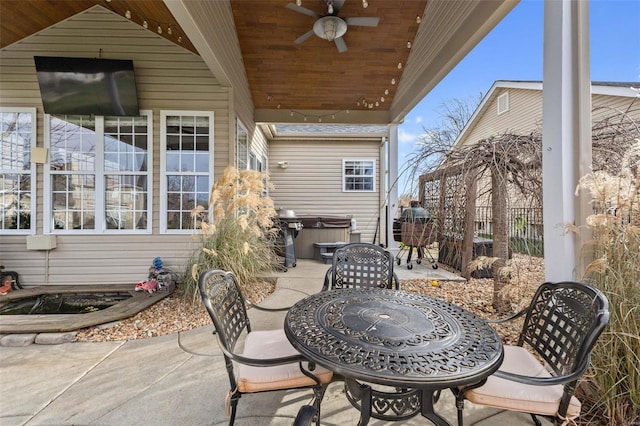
<point>18,340</point>
<point>55,338</point>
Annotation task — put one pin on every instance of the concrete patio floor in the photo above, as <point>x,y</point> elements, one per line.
<point>180,379</point>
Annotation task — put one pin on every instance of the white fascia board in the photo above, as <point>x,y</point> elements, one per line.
<point>627,92</point>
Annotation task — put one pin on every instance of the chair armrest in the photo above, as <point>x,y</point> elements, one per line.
<point>396,281</point>
<point>264,362</point>
<point>327,279</point>
<point>546,381</point>
<point>508,318</point>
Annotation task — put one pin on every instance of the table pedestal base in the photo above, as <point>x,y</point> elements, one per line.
<point>427,400</point>
<point>402,404</point>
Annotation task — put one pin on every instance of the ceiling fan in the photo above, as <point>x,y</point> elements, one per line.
<point>330,26</point>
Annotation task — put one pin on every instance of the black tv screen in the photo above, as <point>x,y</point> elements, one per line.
<point>87,86</point>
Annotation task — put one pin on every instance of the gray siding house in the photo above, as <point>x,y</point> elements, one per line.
<point>516,106</point>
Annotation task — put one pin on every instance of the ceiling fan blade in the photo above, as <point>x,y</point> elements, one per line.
<point>337,5</point>
<point>303,10</point>
<point>362,22</point>
<point>303,37</point>
<point>340,44</point>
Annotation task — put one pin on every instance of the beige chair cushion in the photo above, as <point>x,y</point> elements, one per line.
<point>509,395</point>
<point>273,344</point>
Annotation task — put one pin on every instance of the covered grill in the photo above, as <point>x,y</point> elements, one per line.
<point>290,225</point>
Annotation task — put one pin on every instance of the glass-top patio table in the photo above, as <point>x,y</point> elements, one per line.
<point>412,343</point>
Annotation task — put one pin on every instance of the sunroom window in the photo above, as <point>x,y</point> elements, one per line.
<point>358,175</point>
<point>17,173</point>
<point>127,173</point>
<point>242,147</point>
<point>256,162</point>
<point>99,174</point>
<point>187,168</point>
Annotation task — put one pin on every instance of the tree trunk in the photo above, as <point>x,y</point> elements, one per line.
<point>500,238</point>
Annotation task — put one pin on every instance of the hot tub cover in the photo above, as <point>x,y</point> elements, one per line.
<point>309,221</point>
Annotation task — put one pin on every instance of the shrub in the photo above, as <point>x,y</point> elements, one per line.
<point>612,388</point>
<point>241,235</point>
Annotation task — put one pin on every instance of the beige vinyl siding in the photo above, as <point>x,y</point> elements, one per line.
<point>87,259</point>
<point>614,105</point>
<point>260,146</point>
<point>312,182</point>
<point>168,77</point>
<point>524,115</point>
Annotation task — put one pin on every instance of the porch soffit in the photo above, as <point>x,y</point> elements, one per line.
<point>312,82</point>
<point>249,45</point>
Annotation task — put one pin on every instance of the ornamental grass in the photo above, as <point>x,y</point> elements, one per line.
<point>237,233</point>
<point>611,390</point>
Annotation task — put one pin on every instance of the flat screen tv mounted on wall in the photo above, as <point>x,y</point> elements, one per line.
<point>87,86</point>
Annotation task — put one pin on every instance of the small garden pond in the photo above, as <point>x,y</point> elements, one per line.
<point>61,303</point>
<point>54,309</point>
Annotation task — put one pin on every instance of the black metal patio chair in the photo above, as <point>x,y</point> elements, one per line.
<point>361,265</point>
<point>267,362</point>
<point>561,325</point>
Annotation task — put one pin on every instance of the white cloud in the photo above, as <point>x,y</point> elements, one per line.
<point>418,119</point>
<point>404,137</point>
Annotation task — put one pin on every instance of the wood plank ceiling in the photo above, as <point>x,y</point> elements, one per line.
<point>22,18</point>
<point>311,75</point>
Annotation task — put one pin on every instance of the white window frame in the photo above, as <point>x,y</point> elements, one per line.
<point>163,172</point>
<point>31,172</point>
<point>372,176</point>
<point>502,104</point>
<point>257,162</point>
<point>241,129</point>
<point>100,226</point>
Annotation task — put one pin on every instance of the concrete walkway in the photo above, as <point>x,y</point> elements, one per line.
<point>178,379</point>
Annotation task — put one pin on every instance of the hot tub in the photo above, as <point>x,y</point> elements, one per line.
<point>321,229</point>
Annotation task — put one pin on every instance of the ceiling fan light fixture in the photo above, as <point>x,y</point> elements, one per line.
<point>330,27</point>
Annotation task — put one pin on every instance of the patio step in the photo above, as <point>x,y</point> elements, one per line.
<point>323,252</point>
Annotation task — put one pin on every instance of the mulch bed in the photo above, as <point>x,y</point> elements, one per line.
<point>174,314</point>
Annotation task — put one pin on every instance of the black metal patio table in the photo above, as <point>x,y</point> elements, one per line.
<point>411,343</point>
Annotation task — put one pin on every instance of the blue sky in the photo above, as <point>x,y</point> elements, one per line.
<point>513,51</point>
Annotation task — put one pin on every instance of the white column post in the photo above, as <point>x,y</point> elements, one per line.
<point>566,133</point>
